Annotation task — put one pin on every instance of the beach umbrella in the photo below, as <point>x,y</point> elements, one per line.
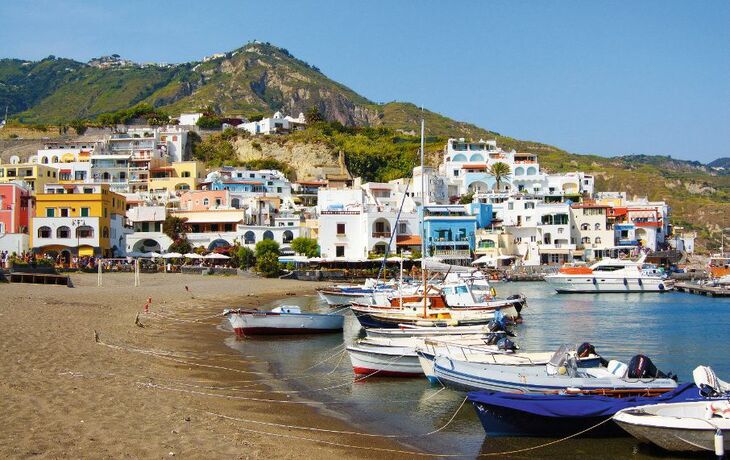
<point>192,255</point>
<point>215,255</point>
<point>172,255</point>
<point>136,254</point>
<point>153,254</point>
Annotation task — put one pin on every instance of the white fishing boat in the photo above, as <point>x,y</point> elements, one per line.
<point>343,294</point>
<point>384,361</point>
<point>407,330</point>
<point>688,426</point>
<point>684,426</point>
<point>610,275</point>
<point>282,320</point>
<point>566,371</point>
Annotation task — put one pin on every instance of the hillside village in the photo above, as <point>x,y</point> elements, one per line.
<point>113,195</point>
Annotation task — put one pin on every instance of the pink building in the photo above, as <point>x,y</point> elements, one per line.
<point>204,200</point>
<point>16,211</point>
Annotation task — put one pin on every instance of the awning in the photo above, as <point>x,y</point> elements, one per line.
<point>86,251</point>
<point>214,219</point>
<point>554,251</point>
<point>65,171</point>
<point>408,240</point>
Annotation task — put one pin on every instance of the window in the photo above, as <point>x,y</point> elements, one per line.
<point>105,232</point>
<point>217,201</point>
<point>104,212</point>
<point>228,228</point>
<point>584,226</point>
<point>88,190</point>
<point>456,172</point>
<point>84,231</point>
<point>50,212</point>
<point>44,232</point>
<point>341,230</point>
<point>64,212</point>
<point>340,251</point>
<point>598,226</point>
<point>598,240</point>
<point>186,174</point>
<point>205,202</point>
<point>585,240</point>
<point>63,232</point>
<point>84,212</point>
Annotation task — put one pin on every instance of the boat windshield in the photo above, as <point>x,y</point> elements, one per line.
<point>608,268</point>
<point>559,356</point>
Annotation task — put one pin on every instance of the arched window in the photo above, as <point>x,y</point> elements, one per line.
<point>54,159</point>
<point>105,232</point>
<point>84,231</point>
<point>476,157</point>
<point>519,171</point>
<point>598,226</point>
<point>206,202</point>
<point>268,235</point>
<point>584,226</point>
<point>63,232</point>
<point>288,236</point>
<point>459,157</point>
<point>44,160</point>
<point>598,240</point>
<point>586,240</point>
<point>236,203</point>
<point>44,232</point>
<point>249,237</point>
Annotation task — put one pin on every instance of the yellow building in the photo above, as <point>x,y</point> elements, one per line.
<point>83,219</point>
<point>37,176</point>
<point>176,177</point>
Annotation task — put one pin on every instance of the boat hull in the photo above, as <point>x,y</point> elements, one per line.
<point>268,323</point>
<point>499,421</point>
<point>590,284</point>
<point>383,363</point>
<point>334,298</point>
<point>530,378</point>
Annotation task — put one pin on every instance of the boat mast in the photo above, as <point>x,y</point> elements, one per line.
<point>423,217</point>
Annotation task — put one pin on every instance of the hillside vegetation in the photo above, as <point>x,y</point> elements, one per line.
<point>379,140</point>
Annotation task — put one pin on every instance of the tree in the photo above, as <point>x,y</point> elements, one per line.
<point>174,227</point>
<point>305,246</point>
<point>313,115</point>
<point>209,122</point>
<point>466,199</point>
<point>246,257</point>
<point>79,126</point>
<point>268,264</point>
<point>264,247</point>
<point>500,171</point>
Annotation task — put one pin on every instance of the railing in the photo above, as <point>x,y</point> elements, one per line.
<point>381,234</point>
<point>349,213</point>
<point>452,252</point>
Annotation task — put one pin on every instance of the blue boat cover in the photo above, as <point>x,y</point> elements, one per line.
<point>578,405</point>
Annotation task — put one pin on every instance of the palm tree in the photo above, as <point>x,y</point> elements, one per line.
<point>500,171</point>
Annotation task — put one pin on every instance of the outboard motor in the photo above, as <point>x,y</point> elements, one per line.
<point>641,367</point>
<point>492,339</point>
<point>496,325</point>
<point>506,344</point>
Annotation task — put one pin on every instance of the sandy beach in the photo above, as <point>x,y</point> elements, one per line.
<point>148,390</point>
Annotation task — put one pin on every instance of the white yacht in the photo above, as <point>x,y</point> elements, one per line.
<point>611,275</point>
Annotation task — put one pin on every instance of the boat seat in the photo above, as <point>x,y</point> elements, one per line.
<point>617,368</point>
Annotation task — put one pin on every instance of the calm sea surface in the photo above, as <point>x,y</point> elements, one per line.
<point>677,331</point>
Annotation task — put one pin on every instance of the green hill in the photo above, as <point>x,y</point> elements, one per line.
<point>377,139</point>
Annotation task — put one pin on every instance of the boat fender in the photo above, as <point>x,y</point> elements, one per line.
<point>626,282</point>
<point>661,286</point>
<point>594,281</point>
<point>493,292</point>
<point>641,283</point>
<point>719,444</point>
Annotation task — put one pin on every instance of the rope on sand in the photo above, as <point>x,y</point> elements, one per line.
<point>395,451</point>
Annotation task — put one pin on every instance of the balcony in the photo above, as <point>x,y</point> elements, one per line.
<point>381,234</point>
<point>453,253</point>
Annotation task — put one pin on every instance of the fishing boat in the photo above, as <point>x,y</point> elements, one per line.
<point>409,330</point>
<point>558,415</point>
<point>702,425</point>
<point>343,294</point>
<point>411,314</point>
<point>282,320</point>
<point>428,348</point>
<point>568,370</point>
<point>610,275</point>
<point>384,361</point>
<point>394,357</point>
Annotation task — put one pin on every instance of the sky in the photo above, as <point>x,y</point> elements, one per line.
<point>608,77</point>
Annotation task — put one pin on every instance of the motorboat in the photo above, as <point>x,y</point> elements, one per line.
<point>343,294</point>
<point>568,370</point>
<point>409,330</point>
<point>702,425</point>
<point>282,320</point>
<point>610,275</point>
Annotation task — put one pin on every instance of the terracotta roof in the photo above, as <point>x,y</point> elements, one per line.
<point>474,166</point>
<point>408,240</point>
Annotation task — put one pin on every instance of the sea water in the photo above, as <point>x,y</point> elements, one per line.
<point>677,331</point>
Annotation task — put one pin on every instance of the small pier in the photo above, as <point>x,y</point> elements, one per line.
<point>707,290</point>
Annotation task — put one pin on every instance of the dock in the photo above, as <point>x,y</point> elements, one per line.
<point>707,290</point>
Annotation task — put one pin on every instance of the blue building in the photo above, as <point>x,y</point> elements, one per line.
<point>449,231</point>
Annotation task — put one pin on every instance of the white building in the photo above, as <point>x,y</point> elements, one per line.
<point>189,119</point>
<point>147,232</point>
<point>358,221</point>
<point>276,124</point>
<point>73,159</point>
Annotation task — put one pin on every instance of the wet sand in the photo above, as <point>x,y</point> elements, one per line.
<point>147,390</point>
